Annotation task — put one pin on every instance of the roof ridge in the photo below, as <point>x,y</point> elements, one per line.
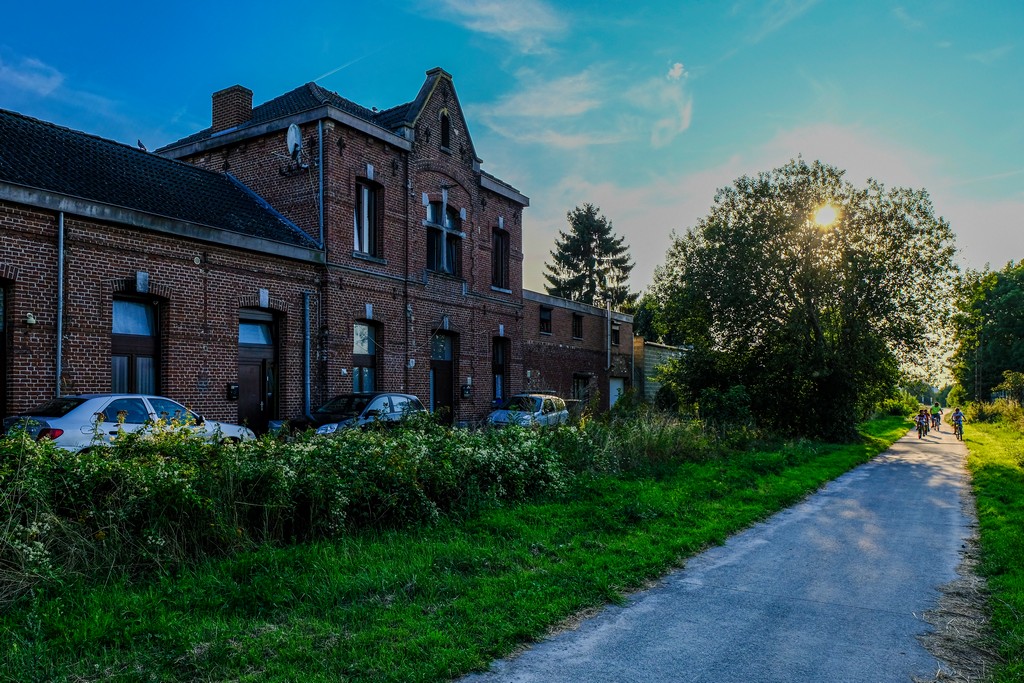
<point>134,149</point>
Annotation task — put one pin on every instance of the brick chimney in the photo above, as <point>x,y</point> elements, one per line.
<point>231,107</point>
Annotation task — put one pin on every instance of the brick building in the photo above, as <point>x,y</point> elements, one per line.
<point>576,350</point>
<point>292,251</point>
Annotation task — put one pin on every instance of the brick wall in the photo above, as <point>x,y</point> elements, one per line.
<point>551,361</point>
<point>408,303</point>
<point>202,286</point>
<point>199,308</point>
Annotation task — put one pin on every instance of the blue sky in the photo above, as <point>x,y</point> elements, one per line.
<point>642,108</point>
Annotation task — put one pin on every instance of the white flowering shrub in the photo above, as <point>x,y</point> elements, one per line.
<point>162,496</point>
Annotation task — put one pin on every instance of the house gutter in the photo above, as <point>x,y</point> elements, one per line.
<point>60,300</point>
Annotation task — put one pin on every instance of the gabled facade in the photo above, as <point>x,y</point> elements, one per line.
<point>292,251</point>
<point>422,277</point>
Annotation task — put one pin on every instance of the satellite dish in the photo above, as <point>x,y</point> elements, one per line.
<point>294,141</point>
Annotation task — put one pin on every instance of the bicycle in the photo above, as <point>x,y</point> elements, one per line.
<point>958,430</point>
<point>922,429</point>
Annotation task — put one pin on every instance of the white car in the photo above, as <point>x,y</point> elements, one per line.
<point>78,422</point>
<point>530,409</point>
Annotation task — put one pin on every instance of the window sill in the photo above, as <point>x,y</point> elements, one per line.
<point>546,334</point>
<point>577,338</point>
<point>369,257</point>
<point>447,276</point>
<point>500,289</point>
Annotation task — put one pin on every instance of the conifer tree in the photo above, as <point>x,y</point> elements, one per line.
<point>590,263</point>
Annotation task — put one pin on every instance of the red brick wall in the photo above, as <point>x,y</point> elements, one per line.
<point>199,309</point>
<point>398,282</point>
<point>201,302</point>
<point>552,360</point>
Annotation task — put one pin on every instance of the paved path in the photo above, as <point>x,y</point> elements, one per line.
<point>830,590</point>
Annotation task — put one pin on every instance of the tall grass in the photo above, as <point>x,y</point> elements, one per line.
<point>160,499</point>
<point>996,463</point>
<point>423,602</point>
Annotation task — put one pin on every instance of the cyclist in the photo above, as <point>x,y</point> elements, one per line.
<point>936,415</point>
<point>922,420</point>
<point>958,423</point>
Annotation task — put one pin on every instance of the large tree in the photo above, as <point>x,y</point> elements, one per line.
<point>989,329</point>
<point>811,311</point>
<point>590,264</point>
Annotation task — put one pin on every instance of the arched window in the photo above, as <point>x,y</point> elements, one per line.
<point>446,131</point>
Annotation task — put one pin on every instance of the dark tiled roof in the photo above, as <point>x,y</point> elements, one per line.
<point>48,157</point>
<point>303,98</point>
<point>396,116</point>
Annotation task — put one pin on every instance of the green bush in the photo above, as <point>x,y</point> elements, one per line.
<point>900,405</point>
<point>161,498</point>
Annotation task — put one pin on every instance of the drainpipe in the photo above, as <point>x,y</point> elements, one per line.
<point>632,357</point>
<point>60,300</point>
<point>305,356</point>
<point>407,313</point>
<point>320,165</point>
<point>608,332</point>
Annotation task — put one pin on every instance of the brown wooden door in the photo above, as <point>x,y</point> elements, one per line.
<point>442,376</point>
<point>442,389</point>
<point>257,371</point>
<point>254,407</point>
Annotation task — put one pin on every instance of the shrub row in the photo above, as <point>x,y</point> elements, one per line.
<point>161,498</point>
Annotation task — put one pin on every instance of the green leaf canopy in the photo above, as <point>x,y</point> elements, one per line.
<point>812,319</point>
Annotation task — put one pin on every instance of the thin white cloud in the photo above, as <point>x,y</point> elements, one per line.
<point>554,113</point>
<point>526,26</point>
<point>988,178</point>
<point>991,56</point>
<point>30,75</point>
<point>773,15</point>
<point>905,18</point>
<point>591,108</point>
<point>571,95</point>
<point>668,103</point>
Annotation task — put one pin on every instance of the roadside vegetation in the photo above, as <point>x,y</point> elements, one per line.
<point>409,555</point>
<point>994,434</point>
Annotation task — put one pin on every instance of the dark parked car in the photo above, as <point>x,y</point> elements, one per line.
<point>361,409</point>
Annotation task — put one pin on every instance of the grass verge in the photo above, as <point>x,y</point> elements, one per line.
<point>417,605</point>
<point>996,463</point>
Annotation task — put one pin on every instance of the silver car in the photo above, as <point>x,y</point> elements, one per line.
<point>78,422</point>
<point>530,409</point>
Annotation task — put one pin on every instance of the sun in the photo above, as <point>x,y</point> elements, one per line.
<point>826,215</point>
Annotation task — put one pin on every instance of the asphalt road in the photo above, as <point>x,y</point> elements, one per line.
<point>831,590</point>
